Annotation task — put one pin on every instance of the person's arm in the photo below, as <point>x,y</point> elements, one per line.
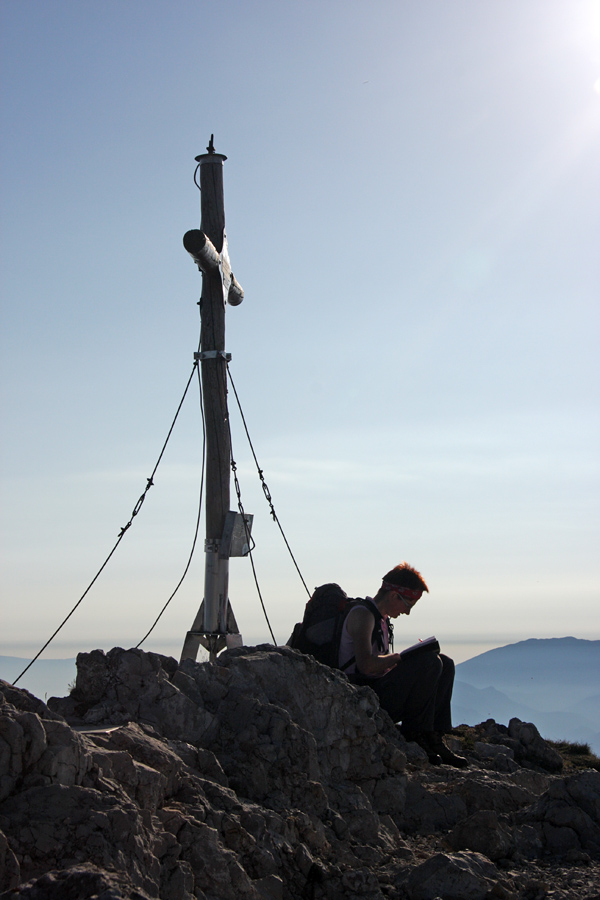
<point>360,624</point>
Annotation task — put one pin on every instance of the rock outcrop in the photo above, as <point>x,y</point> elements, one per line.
<point>267,775</point>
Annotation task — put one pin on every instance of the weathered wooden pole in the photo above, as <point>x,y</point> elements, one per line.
<point>208,247</point>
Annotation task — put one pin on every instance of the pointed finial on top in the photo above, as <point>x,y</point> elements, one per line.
<point>211,155</point>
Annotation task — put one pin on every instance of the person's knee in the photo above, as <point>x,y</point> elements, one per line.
<point>447,663</point>
<point>432,665</point>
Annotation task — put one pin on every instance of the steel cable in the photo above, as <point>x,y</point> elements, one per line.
<point>124,529</point>
<point>248,538</point>
<point>265,488</point>
<point>189,562</point>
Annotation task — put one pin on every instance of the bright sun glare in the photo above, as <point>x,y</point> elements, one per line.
<point>594,24</point>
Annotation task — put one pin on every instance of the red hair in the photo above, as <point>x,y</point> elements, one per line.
<point>404,575</point>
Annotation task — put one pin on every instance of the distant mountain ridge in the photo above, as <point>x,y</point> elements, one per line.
<point>46,678</point>
<point>552,682</point>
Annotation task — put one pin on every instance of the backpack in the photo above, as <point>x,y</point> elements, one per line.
<point>320,631</point>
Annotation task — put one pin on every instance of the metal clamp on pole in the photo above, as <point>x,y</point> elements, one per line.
<point>213,354</point>
<point>236,535</point>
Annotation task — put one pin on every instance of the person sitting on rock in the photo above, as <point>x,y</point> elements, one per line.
<point>415,690</point>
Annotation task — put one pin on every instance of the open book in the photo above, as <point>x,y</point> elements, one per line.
<point>430,643</point>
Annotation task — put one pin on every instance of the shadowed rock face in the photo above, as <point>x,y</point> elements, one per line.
<point>267,775</point>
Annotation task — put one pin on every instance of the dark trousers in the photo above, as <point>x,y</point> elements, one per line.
<point>417,692</point>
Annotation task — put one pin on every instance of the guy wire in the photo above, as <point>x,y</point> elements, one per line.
<point>265,488</point>
<point>185,571</point>
<point>124,529</point>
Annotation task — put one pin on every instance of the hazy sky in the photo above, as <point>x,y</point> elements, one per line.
<point>412,198</point>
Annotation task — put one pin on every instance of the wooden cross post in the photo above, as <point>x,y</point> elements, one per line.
<point>214,621</point>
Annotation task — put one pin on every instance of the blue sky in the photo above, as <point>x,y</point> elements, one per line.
<point>412,203</point>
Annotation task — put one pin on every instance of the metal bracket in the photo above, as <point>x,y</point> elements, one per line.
<point>236,535</point>
<point>213,354</point>
<point>213,641</point>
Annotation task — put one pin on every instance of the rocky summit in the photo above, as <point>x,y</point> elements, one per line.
<point>266,776</point>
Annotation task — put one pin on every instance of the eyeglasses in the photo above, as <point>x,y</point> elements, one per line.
<point>408,603</point>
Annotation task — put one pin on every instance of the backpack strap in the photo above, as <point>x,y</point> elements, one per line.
<point>377,632</point>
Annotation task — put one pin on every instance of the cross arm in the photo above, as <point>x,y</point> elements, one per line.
<point>201,249</point>
<point>208,259</point>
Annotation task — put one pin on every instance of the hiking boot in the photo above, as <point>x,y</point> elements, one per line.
<point>436,741</point>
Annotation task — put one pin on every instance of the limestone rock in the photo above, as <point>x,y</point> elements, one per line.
<point>35,750</point>
<point>133,742</point>
<point>126,685</point>
<point>266,776</point>
<point>491,791</point>
<point>26,702</point>
<point>532,747</point>
<point>567,816</point>
<point>483,833</point>
<point>84,882</point>
<point>9,866</point>
<point>453,876</point>
<point>502,757</point>
<point>56,825</point>
<point>429,810</point>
